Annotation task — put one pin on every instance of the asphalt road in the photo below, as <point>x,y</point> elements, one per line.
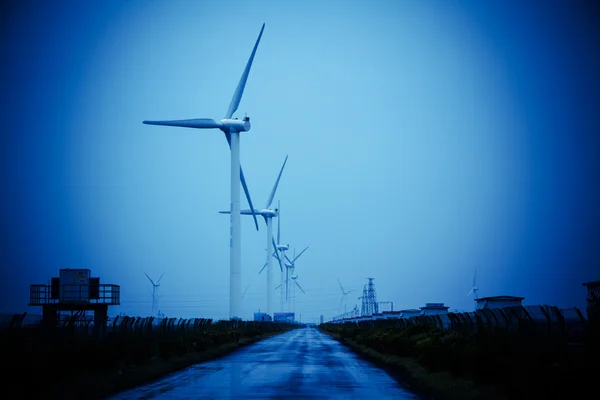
<point>301,364</point>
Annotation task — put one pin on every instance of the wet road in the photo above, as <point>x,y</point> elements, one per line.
<point>301,364</point>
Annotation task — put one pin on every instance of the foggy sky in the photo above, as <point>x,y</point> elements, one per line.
<point>426,139</point>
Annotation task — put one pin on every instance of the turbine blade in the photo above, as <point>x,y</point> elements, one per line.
<point>158,280</point>
<point>270,200</point>
<point>243,212</point>
<point>287,258</point>
<point>468,294</point>
<point>299,286</point>
<point>200,123</point>
<point>151,281</point>
<point>237,95</point>
<point>278,286</point>
<point>247,195</point>
<point>261,270</point>
<point>350,291</point>
<point>278,222</point>
<point>298,256</point>
<point>341,287</point>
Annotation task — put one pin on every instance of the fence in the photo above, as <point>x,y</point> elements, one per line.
<point>538,320</point>
<point>81,325</point>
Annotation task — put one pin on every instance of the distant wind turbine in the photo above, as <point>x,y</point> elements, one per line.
<point>280,256</point>
<point>268,214</point>
<point>474,289</point>
<point>231,128</point>
<point>155,285</point>
<point>344,293</point>
<point>290,267</point>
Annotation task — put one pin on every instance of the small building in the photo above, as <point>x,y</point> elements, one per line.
<point>287,317</point>
<point>391,314</point>
<point>498,302</point>
<point>409,313</point>
<point>434,309</point>
<point>261,316</point>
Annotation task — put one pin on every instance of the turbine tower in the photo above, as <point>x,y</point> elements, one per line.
<point>280,255</point>
<point>344,293</point>
<point>231,127</point>
<point>474,289</point>
<point>155,285</point>
<point>268,214</point>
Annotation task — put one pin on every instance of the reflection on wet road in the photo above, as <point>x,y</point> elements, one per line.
<point>301,364</point>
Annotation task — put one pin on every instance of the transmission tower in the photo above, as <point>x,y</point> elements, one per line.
<point>369,299</point>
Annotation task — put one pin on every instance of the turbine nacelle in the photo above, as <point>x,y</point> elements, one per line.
<point>268,213</point>
<point>283,247</point>
<point>237,125</point>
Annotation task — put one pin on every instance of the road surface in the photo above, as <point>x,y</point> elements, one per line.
<point>300,364</point>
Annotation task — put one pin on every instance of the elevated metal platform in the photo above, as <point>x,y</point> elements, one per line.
<point>75,297</point>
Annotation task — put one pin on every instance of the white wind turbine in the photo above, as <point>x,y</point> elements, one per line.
<point>293,296</point>
<point>474,289</point>
<point>268,214</point>
<point>290,267</point>
<point>344,293</point>
<point>231,128</point>
<point>279,254</point>
<point>155,285</point>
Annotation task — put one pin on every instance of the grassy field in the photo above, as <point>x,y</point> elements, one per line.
<point>447,365</point>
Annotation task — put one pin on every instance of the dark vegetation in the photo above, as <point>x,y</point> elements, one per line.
<point>527,360</point>
<point>70,363</point>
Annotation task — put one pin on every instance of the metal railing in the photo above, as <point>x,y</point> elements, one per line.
<point>107,294</point>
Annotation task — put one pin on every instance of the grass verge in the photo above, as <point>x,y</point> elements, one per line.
<point>435,385</point>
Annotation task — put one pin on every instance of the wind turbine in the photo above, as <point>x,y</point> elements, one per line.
<point>290,265</point>
<point>293,297</point>
<point>344,293</point>
<point>155,285</point>
<point>268,214</point>
<point>474,289</point>
<point>232,128</point>
<point>281,248</point>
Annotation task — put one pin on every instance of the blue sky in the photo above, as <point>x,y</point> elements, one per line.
<point>426,139</point>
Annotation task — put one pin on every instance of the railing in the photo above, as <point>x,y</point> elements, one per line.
<point>107,294</point>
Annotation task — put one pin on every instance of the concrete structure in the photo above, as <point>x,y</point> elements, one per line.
<point>260,316</point>
<point>498,302</point>
<point>434,309</point>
